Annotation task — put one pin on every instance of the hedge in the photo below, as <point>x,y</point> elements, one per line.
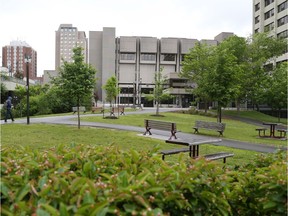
<point>97,180</point>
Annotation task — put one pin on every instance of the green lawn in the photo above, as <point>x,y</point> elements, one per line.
<point>235,130</point>
<point>42,136</point>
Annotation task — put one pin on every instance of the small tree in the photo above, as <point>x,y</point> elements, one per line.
<point>76,79</point>
<point>158,93</point>
<point>112,90</point>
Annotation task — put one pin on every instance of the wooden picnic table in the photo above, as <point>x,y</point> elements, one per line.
<point>272,128</point>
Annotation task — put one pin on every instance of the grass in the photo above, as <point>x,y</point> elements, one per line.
<point>42,136</point>
<point>235,130</point>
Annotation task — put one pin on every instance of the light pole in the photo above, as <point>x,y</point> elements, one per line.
<point>27,61</point>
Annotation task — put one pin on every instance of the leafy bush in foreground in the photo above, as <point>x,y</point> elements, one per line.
<point>89,180</point>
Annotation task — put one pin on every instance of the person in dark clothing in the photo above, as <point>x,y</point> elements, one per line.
<point>8,109</point>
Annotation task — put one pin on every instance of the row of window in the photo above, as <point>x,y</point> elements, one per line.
<point>68,29</point>
<point>282,21</point>
<point>281,7</point>
<point>283,34</point>
<point>150,57</point>
<point>269,14</point>
<point>147,57</point>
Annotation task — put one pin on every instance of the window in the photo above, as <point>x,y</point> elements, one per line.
<point>148,57</point>
<point>256,31</point>
<point>282,21</point>
<point>268,2</point>
<point>257,7</point>
<point>283,34</point>
<point>269,27</point>
<point>168,57</point>
<point>282,6</point>
<point>256,19</point>
<point>269,14</point>
<point>127,56</point>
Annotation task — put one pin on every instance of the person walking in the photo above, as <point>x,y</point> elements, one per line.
<point>8,109</point>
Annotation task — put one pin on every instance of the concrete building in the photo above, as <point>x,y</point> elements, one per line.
<point>271,16</point>
<point>66,38</point>
<point>13,58</point>
<point>134,61</point>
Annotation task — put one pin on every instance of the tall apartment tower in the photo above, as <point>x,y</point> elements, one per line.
<point>68,37</point>
<point>13,58</point>
<point>271,16</point>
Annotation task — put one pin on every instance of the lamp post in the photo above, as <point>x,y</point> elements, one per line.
<point>27,61</point>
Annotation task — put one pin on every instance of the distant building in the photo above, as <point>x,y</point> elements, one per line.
<point>13,57</point>
<point>271,16</point>
<point>68,37</point>
<point>134,61</point>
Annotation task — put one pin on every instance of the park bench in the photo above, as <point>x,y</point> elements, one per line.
<point>160,125</point>
<point>219,127</point>
<point>81,109</point>
<point>97,109</point>
<point>119,109</point>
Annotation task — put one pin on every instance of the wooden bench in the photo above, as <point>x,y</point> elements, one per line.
<point>81,109</point>
<point>219,127</point>
<point>160,125</point>
<point>114,110</point>
<point>261,130</point>
<point>97,109</point>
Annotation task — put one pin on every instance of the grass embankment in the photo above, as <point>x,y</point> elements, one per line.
<point>44,136</point>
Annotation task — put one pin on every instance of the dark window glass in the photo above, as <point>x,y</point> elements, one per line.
<point>168,57</point>
<point>282,6</point>
<point>148,57</point>
<point>257,7</point>
<point>282,21</point>
<point>269,14</point>
<point>268,2</point>
<point>283,34</point>
<point>256,19</point>
<point>127,56</point>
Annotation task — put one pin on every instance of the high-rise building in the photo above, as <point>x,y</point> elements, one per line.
<point>271,16</point>
<point>68,37</point>
<point>13,58</point>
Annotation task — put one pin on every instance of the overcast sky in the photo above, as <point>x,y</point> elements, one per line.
<point>35,21</point>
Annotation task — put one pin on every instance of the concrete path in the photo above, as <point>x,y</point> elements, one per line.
<point>157,134</point>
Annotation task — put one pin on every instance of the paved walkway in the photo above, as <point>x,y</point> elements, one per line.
<point>157,134</point>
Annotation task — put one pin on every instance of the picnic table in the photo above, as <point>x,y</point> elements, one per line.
<point>194,149</point>
<point>273,128</point>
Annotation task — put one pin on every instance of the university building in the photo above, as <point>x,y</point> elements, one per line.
<point>135,60</point>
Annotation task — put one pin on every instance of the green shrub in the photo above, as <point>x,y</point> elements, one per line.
<point>89,180</point>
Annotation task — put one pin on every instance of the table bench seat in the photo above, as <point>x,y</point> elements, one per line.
<point>97,109</point>
<point>173,151</point>
<point>261,130</point>
<point>217,156</point>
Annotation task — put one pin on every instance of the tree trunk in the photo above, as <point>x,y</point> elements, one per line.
<point>219,114</point>
<point>238,106</point>
<point>78,112</point>
<point>279,115</point>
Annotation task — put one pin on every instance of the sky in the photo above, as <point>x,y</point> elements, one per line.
<point>35,21</point>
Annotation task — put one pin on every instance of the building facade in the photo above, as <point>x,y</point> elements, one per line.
<point>271,16</point>
<point>135,60</point>
<point>13,58</point>
<point>66,38</point>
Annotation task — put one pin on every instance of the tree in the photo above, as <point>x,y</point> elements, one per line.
<point>196,67</point>
<point>158,93</point>
<point>76,79</point>
<point>276,92</point>
<point>112,90</point>
<point>261,50</point>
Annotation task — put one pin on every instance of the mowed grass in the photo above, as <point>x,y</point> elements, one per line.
<point>44,136</point>
<point>235,130</point>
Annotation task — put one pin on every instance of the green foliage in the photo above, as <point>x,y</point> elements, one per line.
<point>112,90</point>
<point>87,180</point>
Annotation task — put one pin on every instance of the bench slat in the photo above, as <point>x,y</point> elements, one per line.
<point>219,127</point>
